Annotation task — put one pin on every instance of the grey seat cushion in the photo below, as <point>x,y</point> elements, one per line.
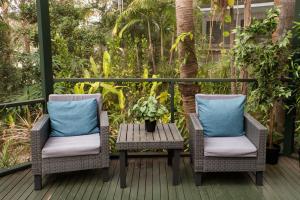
<point>71,146</point>
<point>229,147</point>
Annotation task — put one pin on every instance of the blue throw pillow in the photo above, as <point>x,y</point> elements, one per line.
<point>222,117</point>
<point>73,118</point>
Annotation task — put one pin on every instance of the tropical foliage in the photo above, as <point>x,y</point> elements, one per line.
<point>268,62</point>
<point>140,38</point>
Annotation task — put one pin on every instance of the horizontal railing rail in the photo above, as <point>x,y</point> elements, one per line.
<point>170,81</point>
<point>133,80</point>
<point>22,103</point>
<point>165,80</point>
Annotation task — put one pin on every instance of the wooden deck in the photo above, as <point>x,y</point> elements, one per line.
<point>151,179</point>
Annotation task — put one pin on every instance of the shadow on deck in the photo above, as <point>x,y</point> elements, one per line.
<point>151,179</point>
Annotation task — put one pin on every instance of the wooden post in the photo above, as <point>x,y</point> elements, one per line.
<point>45,47</point>
<point>232,37</point>
<point>247,22</point>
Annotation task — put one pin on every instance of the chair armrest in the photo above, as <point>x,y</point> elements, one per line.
<point>257,134</point>
<point>39,136</point>
<point>104,134</point>
<point>104,119</point>
<point>196,140</point>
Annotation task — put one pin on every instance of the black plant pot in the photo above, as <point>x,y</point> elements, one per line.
<point>150,125</point>
<point>272,154</point>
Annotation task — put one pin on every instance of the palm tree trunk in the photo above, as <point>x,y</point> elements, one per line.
<point>138,64</point>
<point>171,53</point>
<point>161,42</point>
<point>247,22</point>
<point>187,56</point>
<point>5,18</point>
<point>286,18</point>
<point>151,51</point>
<point>26,37</point>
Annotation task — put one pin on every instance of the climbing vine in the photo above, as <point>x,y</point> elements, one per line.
<point>267,61</point>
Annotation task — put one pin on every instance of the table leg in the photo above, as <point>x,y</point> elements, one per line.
<point>175,166</point>
<point>126,159</point>
<point>123,169</point>
<point>170,156</point>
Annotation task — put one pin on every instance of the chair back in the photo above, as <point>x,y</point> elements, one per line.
<point>77,97</point>
<point>214,97</point>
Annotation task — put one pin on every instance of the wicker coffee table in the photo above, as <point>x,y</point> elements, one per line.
<point>133,137</point>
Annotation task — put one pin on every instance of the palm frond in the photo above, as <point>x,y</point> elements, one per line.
<point>137,7</point>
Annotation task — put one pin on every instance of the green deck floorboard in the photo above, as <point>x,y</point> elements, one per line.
<point>190,191</point>
<point>107,185</point>
<point>4,179</point>
<point>179,188</point>
<point>60,188</point>
<point>151,179</point>
<point>20,188</point>
<point>129,177</point>
<point>149,182</point>
<point>164,193</point>
<point>76,187</point>
<point>281,184</point>
<point>85,184</point>
<point>171,188</point>
<point>99,188</point>
<point>9,182</point>
<point>8,189</point>
<point>91,183</point>
<point>96,190</point>
<point>135,181</point>
<point>201,190</point>
<point>53,188</point>
<point>156,180</point>
<point>142,180</point>
<point>111,192</point>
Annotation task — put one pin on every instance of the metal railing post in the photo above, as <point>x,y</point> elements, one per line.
<point>45,51</point>
<point>172,102</point>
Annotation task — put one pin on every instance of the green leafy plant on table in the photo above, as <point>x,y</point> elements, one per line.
<point>150,110</point>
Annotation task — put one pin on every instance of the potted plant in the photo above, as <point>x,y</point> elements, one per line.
<point>150,110</point>
<point>273,149</point>
<point>267,61</point>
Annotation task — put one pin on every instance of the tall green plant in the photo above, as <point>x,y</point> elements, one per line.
<point>267,61</point>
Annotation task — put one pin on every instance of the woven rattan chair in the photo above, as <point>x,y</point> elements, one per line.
<point>202,163</point>
<point>49,165</point>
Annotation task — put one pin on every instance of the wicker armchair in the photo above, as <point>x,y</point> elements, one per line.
<point>42,165</point>
<point>201,162</point>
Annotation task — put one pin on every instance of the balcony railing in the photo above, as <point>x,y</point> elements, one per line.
<point>289,135</point>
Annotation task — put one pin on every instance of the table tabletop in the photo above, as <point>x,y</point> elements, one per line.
<point>135,137</point>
